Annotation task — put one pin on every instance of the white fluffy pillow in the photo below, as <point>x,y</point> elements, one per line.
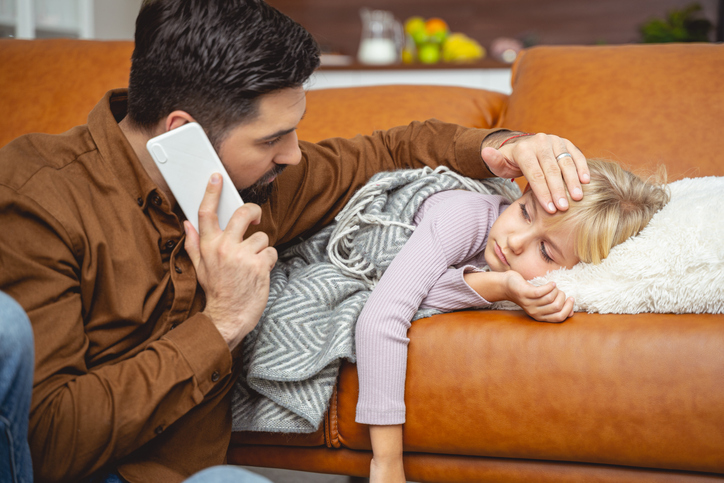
<point>675,265</point>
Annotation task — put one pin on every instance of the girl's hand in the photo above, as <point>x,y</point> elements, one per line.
<point>545,303</point>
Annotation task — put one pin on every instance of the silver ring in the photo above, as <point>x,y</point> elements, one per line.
<point>564,155</point>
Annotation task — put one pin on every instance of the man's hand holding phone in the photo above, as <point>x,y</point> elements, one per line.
<point>232,270</point>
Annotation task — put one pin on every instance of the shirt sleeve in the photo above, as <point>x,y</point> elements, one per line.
<point>451,232</point>
<point>310,195</point>
<point>83,417</point>
<point>451,292</point>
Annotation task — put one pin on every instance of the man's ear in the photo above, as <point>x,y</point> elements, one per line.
<point>177,119</point>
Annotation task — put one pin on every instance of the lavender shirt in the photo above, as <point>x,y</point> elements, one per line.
<point>451,234</point>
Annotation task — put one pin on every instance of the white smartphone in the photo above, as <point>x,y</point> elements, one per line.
<point>187,160</point>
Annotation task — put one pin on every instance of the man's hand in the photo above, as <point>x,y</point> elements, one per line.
<point>233,271</point>
<point>535,158</point>
<point>545,303</point>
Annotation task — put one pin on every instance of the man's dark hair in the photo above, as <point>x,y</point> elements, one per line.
<point>213,59</point>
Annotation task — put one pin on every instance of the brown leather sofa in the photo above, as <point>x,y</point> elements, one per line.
<point>493,396</point>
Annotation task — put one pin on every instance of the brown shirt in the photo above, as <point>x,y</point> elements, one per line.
<point>128,373</point>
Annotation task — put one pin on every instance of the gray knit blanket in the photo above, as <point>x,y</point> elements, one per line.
<point>318,288</point>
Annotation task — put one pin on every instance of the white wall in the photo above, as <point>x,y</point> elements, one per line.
<point>115,19</point>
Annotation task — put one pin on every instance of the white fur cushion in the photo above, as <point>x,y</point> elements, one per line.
<point>675,265</point>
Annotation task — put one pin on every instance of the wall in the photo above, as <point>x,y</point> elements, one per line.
<point>336,23</point>
<point>115,19</point>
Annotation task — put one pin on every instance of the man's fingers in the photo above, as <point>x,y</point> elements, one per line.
<point>584,175</point>
<point>499,165</point>
<point>574,169</point>
<point>192,244</point>
<point>271,255</point>
<point>245,215</point>
<point>208,219</point>
<point>547,151</point>
<point>550,164</point>
<point>538,164</point>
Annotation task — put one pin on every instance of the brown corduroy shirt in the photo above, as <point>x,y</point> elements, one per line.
<point>129,374</point>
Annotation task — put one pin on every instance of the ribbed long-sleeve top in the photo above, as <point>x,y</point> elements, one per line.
<point>451,233</point>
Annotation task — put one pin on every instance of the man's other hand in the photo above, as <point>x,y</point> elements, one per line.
<point>534,156</point>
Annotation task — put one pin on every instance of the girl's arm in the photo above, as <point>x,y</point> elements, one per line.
<point>450,232</point>
<point>386,465</point>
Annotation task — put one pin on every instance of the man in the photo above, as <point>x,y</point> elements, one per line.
<point>138,318</point>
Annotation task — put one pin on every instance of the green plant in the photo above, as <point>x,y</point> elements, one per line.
<point>685,25</point>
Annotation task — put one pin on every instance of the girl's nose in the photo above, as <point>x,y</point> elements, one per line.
<point>517,242</point>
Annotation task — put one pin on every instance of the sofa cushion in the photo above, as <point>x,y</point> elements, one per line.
<point>630,390</point>
<point>347,112</point>
<point>640,105</point>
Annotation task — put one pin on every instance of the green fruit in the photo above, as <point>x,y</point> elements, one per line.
<point>414,24</point>
<point>429,53</point>
<point>439,36</point>
<point>420,37</point>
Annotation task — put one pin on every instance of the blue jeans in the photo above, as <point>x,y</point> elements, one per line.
<point>215,474</point>
<point>16,386</point>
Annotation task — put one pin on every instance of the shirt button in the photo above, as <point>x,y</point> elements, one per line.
<point>170,244</point>
<point>178,269</point>
<point>159,430</point>
<point>215,376</point>
<point>140,201</point>
<point>156,200</point>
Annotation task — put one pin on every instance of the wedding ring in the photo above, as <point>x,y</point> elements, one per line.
<point>563,155</point>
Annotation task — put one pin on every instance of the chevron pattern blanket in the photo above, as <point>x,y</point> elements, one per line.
<point>318,288</point>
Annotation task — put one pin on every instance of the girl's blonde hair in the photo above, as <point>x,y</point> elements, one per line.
<point>616,205</point>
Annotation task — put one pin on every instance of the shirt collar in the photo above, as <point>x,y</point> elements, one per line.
<point>114,148</point>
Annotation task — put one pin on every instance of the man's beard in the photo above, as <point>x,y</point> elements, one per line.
<point>260,191</point>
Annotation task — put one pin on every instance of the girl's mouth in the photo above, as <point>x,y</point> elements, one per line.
<point>499,252</point>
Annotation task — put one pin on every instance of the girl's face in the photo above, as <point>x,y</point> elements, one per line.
<point>520,240</point>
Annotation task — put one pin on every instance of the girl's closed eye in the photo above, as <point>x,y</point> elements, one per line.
<point>524,211</point>
<point>544,253</point>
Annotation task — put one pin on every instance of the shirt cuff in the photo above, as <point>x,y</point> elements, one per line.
<point>206,352</point>
<point>381,418</point>
<point>467,152</point>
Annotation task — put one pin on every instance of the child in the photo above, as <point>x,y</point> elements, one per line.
<point>458,233</point>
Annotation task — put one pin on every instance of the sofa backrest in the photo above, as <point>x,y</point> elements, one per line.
<point>51,85</point>
<point>640,105</point>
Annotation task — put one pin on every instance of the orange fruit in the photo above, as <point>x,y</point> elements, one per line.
<point>435,25</point>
